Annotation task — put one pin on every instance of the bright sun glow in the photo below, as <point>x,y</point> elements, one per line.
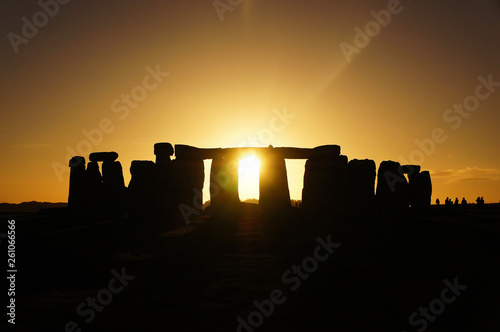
<point>248,179</point>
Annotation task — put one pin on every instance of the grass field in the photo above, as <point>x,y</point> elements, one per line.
<point>204,276</point>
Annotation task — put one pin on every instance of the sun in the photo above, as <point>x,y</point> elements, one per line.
<point>249,165</point>
<point>248,177</point>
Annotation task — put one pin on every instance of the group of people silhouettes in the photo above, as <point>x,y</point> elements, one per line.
<point>480,203</point>
<point>449,204</point>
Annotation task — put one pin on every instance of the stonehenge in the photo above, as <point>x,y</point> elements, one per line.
<point>158,189</point>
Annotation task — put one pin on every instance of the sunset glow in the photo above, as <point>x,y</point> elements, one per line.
<point>260,73</point>
<point>248,177</point>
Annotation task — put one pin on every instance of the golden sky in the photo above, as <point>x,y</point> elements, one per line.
<point>378,78</point>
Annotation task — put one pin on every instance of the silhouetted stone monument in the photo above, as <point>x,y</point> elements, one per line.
<point>361,186</point>
<point>159,190</point>
<point>77,190</point>
<point>392,189</point>
<point>274,195</point>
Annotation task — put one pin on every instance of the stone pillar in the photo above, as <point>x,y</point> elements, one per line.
<point>163,151</point>
<point>413,172</point>
<point>94,193</point>
<point>218,182</point>
<point>113,186</point>
<point>76,196</point>
<point>361,186</point>
<point>164,188</point>
<point>424,192</point>
<point>274,195</point>
<point>141,198</point>
<point>325,181</point>
<point>224,183</point>
<point>107,189</point>
<point>189,175</point>
<point>392,189</point>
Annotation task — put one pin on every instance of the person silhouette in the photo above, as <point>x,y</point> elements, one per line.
<point>481,204</point>
<point>448,205</point>
<point>464,203</point>
<point>456,204</point>
<point>438,201</point>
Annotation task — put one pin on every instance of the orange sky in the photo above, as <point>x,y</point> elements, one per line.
<point>227,80</point>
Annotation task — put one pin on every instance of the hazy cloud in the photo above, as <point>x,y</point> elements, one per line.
<point>468,174</point>
<point>33,145</point>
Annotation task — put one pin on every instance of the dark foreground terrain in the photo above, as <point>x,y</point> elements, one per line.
<point>438,272</point>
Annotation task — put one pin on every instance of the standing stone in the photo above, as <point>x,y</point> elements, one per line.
<point>189,175</point>
<point>165,195</point>
<point>113,186</point>
<point>424,192</point>
<point>218,181</point>
<point>141,198</point>
<point>325,181</point>
<point>163,151</point>
<point>413,172</point>
<point>224,184</point>
<point>274,195</point>
<point>392,189</point>
<point>76,196</point>
<point>361,186</point>
<point>94,192</point>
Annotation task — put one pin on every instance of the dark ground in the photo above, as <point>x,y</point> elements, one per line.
<point>202,277</point>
